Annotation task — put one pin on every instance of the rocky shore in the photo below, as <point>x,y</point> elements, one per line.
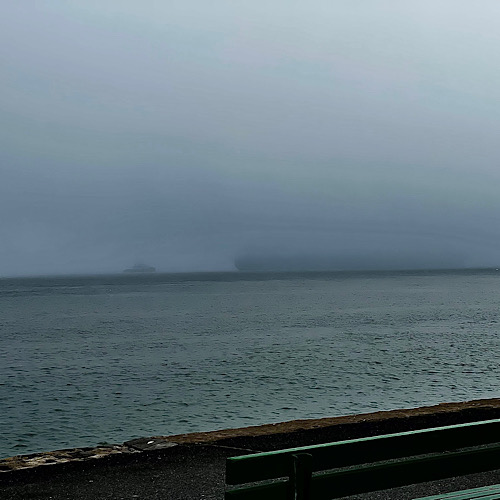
<point>192,465</point>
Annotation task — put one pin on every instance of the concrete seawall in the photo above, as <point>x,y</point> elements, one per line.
<point>192,465</point>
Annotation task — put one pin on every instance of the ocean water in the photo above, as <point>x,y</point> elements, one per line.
<point>104,359</point>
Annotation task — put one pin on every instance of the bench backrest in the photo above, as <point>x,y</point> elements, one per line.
<point>296,465</point>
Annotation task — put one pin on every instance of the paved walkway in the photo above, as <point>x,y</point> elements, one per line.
<point>192,466</point>
<point>187,473</point>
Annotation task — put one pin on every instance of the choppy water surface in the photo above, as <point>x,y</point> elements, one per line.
<point>106,359</point>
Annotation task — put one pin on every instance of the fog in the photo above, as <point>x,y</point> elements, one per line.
<point>187,135</point>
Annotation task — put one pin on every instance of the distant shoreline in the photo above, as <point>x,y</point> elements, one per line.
<point>245,272</point>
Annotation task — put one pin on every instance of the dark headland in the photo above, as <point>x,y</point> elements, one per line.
<point>191,466</point>
<point>387,260</point>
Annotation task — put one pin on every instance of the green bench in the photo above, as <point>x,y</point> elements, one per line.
<point>363,465</point>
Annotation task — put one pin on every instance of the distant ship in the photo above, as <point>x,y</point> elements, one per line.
<point>140,268</point>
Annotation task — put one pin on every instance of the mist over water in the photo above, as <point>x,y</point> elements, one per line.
<point>109,358</point>
<point>187,134</point>
<point>204,137</point>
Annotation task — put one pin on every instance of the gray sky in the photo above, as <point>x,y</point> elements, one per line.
<point>186,133</point>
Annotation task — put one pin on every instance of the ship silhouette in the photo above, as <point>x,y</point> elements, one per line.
<point>140,268</point>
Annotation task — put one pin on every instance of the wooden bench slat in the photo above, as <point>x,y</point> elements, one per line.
<point>274,464</point>
<point>374,477</point>
<point>270,491</point>
<point>484,493</point>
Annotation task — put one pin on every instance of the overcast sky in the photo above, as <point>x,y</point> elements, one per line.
<point>183,134</point>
